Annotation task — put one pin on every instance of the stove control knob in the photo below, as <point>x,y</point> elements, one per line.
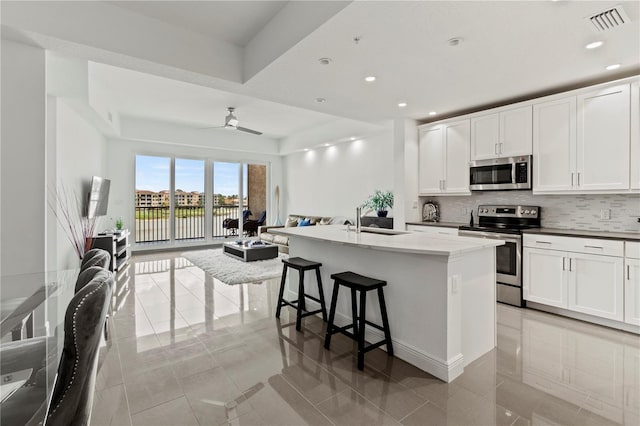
<point>526,212</point>
<point>533,211</point>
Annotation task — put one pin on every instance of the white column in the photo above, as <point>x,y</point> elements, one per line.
<point>22,227</point>
<point>405,173</point>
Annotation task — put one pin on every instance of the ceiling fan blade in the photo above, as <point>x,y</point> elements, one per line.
<point>244,129</point>
<point>207,128</point>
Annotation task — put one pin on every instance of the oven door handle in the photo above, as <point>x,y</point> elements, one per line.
<point>492,235</point>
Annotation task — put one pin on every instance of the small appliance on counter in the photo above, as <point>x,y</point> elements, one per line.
<point>430,212</point>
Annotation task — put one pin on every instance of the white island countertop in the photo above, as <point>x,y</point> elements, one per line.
<point>396,241</point>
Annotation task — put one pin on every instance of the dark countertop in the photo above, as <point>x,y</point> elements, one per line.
<point>441,224</point>
<point>629,236</point>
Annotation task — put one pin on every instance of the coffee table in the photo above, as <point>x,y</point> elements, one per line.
<point>250,250</point>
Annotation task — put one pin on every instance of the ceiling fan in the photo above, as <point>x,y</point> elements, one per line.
<point>231,122</point>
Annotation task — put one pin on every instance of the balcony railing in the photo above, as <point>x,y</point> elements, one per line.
<point>152,223</point>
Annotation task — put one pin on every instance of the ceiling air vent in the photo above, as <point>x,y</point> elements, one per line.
<point>608,19</point>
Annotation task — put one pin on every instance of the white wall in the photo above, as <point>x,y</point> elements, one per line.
<point>333,181</point>
<point>22,230</point>
<point>121,154</point>
<point>80,154</point>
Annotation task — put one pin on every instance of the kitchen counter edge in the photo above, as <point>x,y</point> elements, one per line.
<point>605,235</point>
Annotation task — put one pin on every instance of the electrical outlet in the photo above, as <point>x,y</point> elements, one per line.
<point>463,210</point>
<point>415,204</point>
<point>605,214</point>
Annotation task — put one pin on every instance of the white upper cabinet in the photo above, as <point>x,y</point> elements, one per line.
<point>456,169</point>
<point>603,139</point>
<point>554,145</point>
<point>582,143</point>
<point>485,135</point>
<point>635,135</point>
<point>502,134</point>
<point>431,160</point>
<point>444,158</point>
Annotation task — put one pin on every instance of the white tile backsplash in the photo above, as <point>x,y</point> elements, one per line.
<point>558,211</point>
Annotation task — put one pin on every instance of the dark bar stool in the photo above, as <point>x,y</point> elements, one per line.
<point>301,265</point>
<point>357,282</point>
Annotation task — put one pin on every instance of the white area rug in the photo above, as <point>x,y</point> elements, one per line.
<point>233,271</point>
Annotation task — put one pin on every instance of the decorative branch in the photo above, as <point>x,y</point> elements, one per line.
<point>78,228</point>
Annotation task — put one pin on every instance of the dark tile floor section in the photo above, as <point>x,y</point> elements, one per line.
<point>189,350</point>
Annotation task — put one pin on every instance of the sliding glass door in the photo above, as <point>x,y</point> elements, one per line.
<point>174,196</point>
<point>189,199</point>
<point>153,181</point>
<point>226,199</point>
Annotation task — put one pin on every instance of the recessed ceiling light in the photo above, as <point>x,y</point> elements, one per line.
<point>402,104</point>
<point>612,67</point>
<point>306,149</point>
<point>324,61</point>
<point>352,138</point>
<point>370,79</point>
<point>594,45</point>
<point>432,113</point>
<point>327,144</point>
<point>320,100</point>
<point>455,41</point>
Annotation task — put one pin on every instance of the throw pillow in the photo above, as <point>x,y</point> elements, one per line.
<point>291,222</point>
<point>305,222</point>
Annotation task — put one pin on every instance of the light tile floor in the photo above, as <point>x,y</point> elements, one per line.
<point>189,350</point>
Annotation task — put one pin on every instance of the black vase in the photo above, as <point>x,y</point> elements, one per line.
<point>382,213</point>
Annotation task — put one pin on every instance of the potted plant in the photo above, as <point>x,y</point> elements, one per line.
<point>380,201</point>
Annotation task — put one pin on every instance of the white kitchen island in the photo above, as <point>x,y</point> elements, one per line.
<point>440,293</point>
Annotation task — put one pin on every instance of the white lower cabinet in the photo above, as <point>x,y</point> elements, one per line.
<point>545,278</point>
<point>632,284</point>
<point>595,285</point>
<point>577,280</point>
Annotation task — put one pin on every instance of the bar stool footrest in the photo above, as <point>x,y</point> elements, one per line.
<point>374,325</point>
<point>374,346</point>
<point>307,313</point>
<point>315,299</point>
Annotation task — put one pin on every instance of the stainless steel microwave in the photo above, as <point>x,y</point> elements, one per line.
<point>500,174</point>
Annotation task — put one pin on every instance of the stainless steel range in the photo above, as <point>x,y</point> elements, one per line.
<point>506,223</point>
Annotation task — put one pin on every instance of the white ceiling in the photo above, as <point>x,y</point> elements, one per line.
<point>510,49</point>
<point>141,95</point>
<point>234,21</point>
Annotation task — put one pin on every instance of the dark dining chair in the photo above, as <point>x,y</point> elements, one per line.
<point>95,257</point>
<point>72,396</point>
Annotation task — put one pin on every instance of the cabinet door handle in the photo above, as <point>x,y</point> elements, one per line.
<point>563,262</point>
<point>543,242</point>
<point>444,184</point>
<point>495,148</point>
<point>578,178</point>
<point>569,264</point>
<point>572,178</point>
<point>628,273</point>
<point>500,150</point>
<point>594,247</point>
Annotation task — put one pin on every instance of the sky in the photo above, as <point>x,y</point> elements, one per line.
<point>153,174</point>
